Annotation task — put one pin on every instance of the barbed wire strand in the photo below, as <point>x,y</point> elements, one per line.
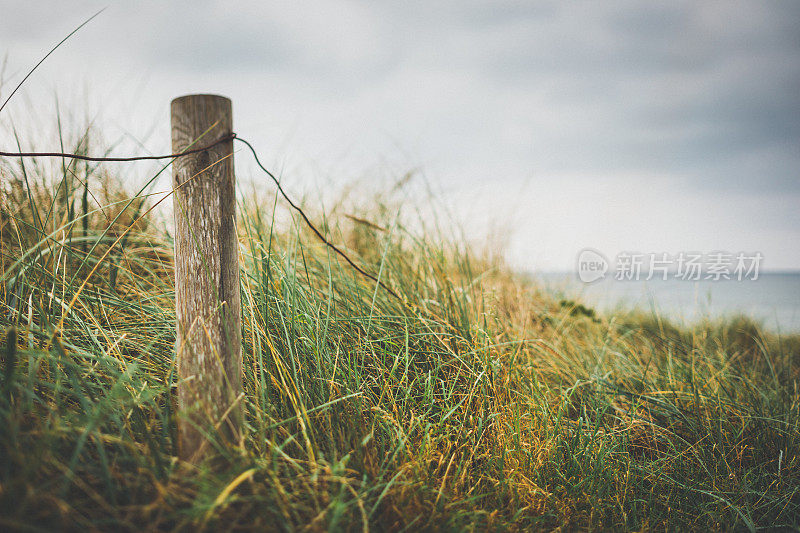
<point>311,225</point>
<point>119,159</point>
<point>229,137</point>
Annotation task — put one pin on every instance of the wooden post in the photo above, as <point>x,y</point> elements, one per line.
<point>207,300</point>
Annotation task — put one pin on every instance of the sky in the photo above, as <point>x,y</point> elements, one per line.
<point>620,126</point>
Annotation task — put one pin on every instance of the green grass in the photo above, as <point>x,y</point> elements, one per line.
<point>483,403</point>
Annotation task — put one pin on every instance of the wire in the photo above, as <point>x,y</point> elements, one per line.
<point>314,228</point>
<point>117,159</point>
<point>229,137</point>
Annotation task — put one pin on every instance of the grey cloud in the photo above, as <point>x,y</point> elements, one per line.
<point>323,40</point>
<point>705,95</point>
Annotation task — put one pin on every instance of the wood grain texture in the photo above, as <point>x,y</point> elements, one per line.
<point>207,299</point>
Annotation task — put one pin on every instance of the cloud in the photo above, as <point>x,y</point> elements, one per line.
<point>698,98</point>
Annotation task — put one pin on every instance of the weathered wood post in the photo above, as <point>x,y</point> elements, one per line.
<point>207,300</point>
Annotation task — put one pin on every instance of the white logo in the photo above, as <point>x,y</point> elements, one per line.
<point>688,266</point>
<point>592,265</point>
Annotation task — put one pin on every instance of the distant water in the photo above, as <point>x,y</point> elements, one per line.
<point>773,299</point>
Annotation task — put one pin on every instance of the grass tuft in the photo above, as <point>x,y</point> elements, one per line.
<point>484,404</point>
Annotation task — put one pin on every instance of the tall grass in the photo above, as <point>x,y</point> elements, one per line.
<point>482,403</point>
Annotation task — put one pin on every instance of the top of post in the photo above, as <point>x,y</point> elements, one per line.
<point>202,103</point>
<point>201,116</point>
<point>186,97</point>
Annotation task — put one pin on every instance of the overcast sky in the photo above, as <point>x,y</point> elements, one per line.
<point>645,126</point>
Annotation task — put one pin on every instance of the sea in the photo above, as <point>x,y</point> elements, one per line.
<point>773,299</point>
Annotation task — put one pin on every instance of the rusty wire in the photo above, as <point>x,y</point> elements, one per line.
<point>229,137</point>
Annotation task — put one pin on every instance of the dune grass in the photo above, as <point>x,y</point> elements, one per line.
<point>482,403</point>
